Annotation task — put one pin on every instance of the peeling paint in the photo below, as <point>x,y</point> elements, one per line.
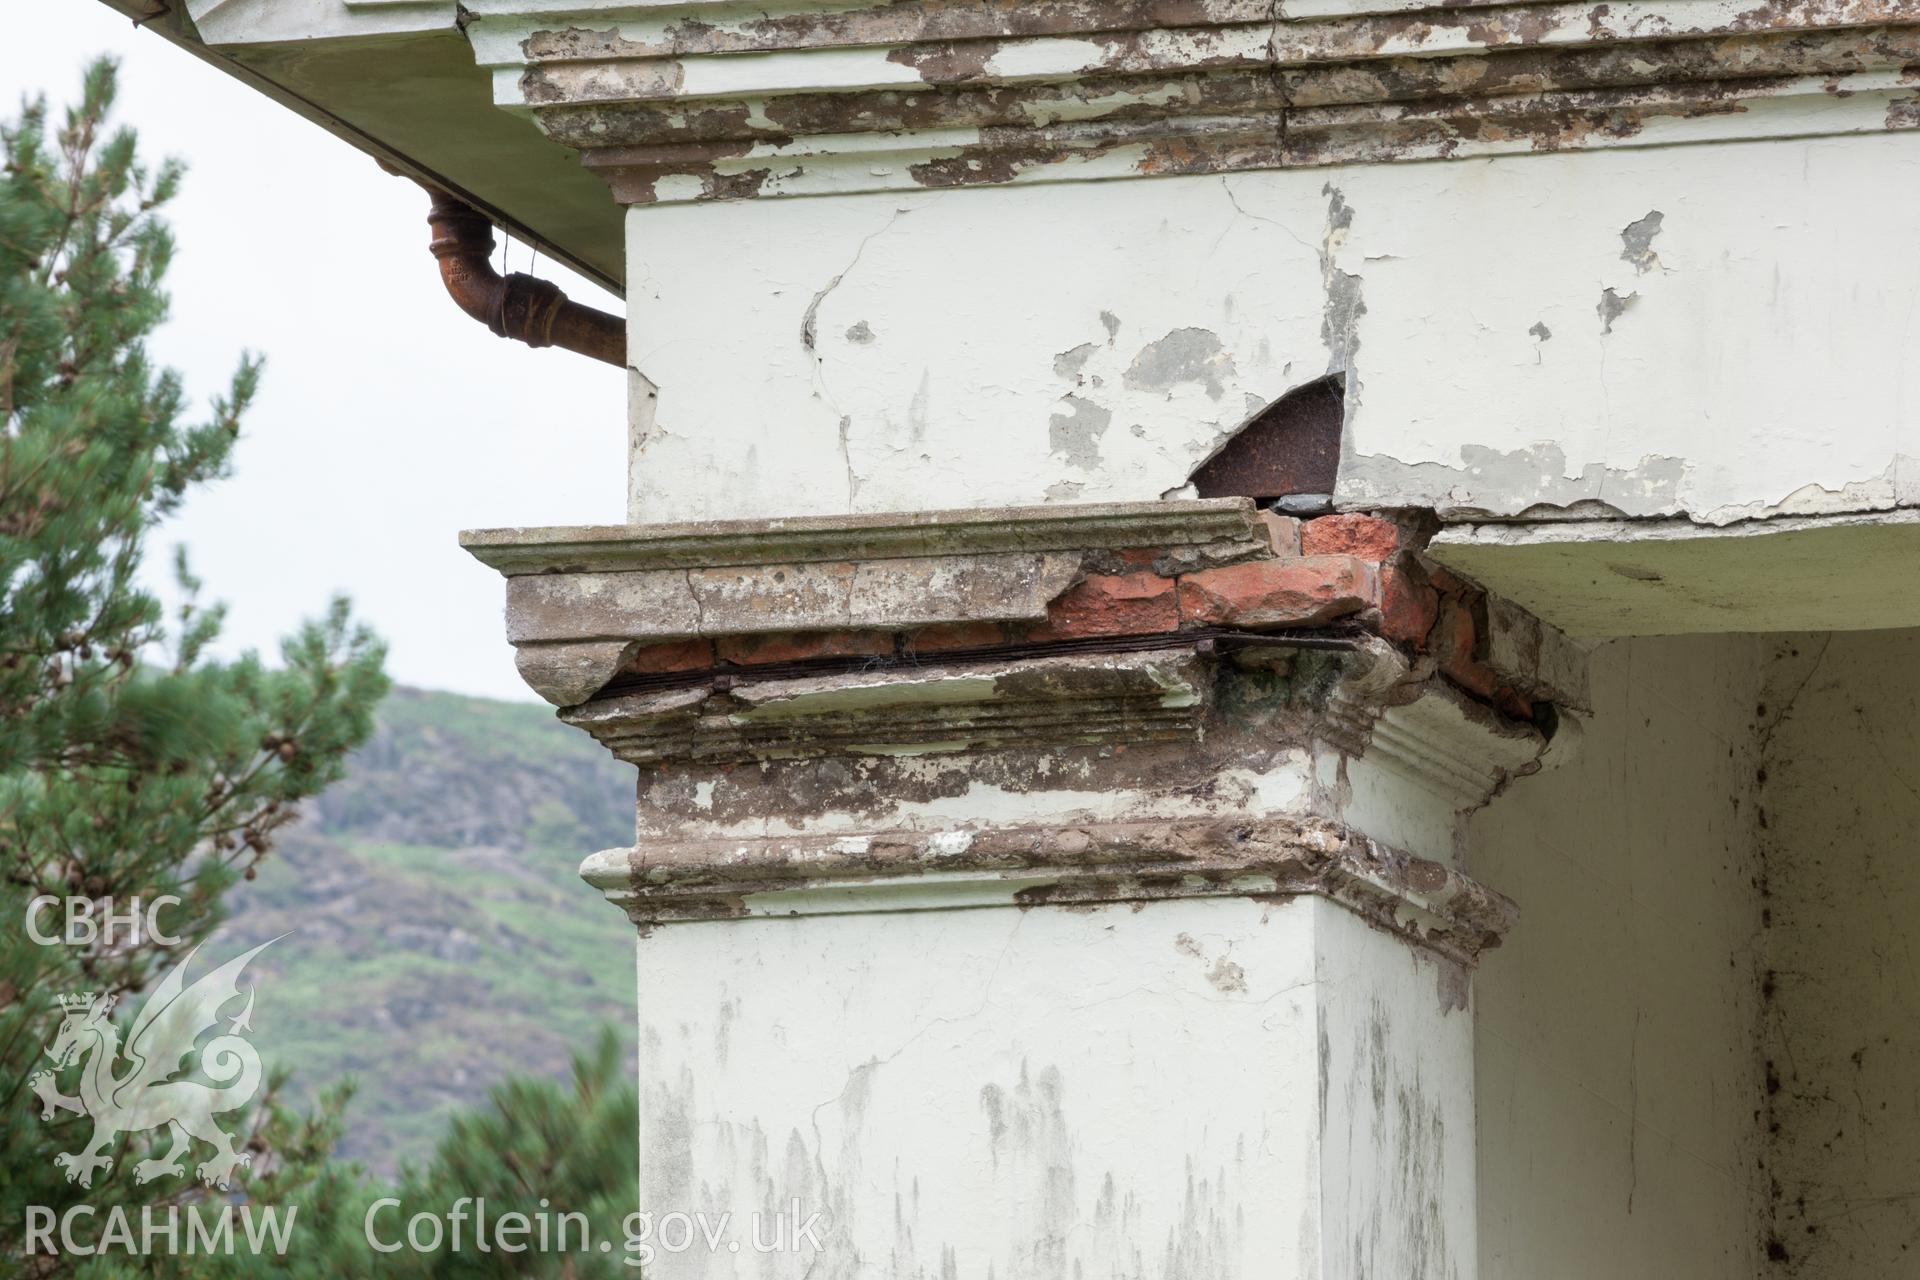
<point>1613,304</point>
<point>1637,242</point>
<point>1069,364</point>
<point>1075,434</point>
<point>1187,355</point>
<point>1227,977</point>
<point>1534,481</point>
<point>1015,786</point>
<point>1216,85</point>
<point>1343,307</point>
<point>1646,422</point>
<point>1083,866</point>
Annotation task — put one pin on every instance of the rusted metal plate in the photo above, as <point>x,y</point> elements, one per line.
<point>1340,637</point>
<point>1293,446</point>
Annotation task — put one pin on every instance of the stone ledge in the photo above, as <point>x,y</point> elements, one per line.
<point>1426,902</point>
<point>1600,578</point>
<point>582,630</point>
<point>1210,528</point>
<point>840,595</point>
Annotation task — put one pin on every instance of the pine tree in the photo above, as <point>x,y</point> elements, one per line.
<point>563,1157</point>
<point>132,763</point>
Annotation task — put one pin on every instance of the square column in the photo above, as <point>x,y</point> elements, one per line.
<point>1059,891</point>
<point>1231,1086</point>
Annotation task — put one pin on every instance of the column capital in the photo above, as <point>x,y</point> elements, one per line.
<point>1072,704</point>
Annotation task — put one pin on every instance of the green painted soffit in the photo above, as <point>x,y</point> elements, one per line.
<point>419,102</point>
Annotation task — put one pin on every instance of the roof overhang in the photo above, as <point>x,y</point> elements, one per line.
<point>398,81</point>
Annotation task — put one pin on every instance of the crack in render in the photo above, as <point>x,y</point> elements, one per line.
<point>876,1061</point>
<point>1240,211</point>
<point>1777,1029</point>
<point>699,606</point>
<point>846,458</point>
<point>1281,82</point>
<point>810,322</point>
<point>1763,748</point>
<point>809,337</point>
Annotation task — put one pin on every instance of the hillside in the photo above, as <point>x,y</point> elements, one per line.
<point>439,934</point>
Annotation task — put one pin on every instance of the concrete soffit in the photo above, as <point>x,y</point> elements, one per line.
<point>1598,578</point>
<point>337,62</point>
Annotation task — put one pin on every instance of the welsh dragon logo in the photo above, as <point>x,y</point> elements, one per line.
<point>128,1090</point>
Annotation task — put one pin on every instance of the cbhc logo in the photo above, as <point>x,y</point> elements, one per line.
<point>84,925</point>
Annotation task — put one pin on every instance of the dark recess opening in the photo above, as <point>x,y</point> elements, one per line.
<point>1291,449</point>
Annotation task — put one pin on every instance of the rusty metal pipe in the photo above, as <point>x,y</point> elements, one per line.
<point>516,305</point>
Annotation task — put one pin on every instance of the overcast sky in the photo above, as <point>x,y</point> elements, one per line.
<point>387,420</point>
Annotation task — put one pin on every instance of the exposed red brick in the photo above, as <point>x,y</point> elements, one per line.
<point>1119,604</point>
<point>670,655</point>
<point>794,646</point>
<point>1487,684</point>
<point>1408,607</point>
<point>1368,537</point>
<point>1301,592</point>
<point>1451,639</point>
<point>1473,676</point>
<point>1283,532</point>
<point>957,635</point>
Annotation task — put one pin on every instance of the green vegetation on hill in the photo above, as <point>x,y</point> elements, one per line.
<point>439,936</point>
<point>450,772</point>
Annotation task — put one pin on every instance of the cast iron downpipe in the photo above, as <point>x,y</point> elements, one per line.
<point>516,305</point>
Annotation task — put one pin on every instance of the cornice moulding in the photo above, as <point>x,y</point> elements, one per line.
<point>1221,527</point>
<point>1427,902</point>
<point>704,101</point>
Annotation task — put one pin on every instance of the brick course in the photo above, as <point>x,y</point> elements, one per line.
<point>1320,571</point>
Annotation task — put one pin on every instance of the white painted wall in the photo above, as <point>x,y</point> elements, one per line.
<point>950,330</point>
<point>1091,341</point>
<point>1617,1028</point>
<point>1718,893</point>
<point>1195,1088</point>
